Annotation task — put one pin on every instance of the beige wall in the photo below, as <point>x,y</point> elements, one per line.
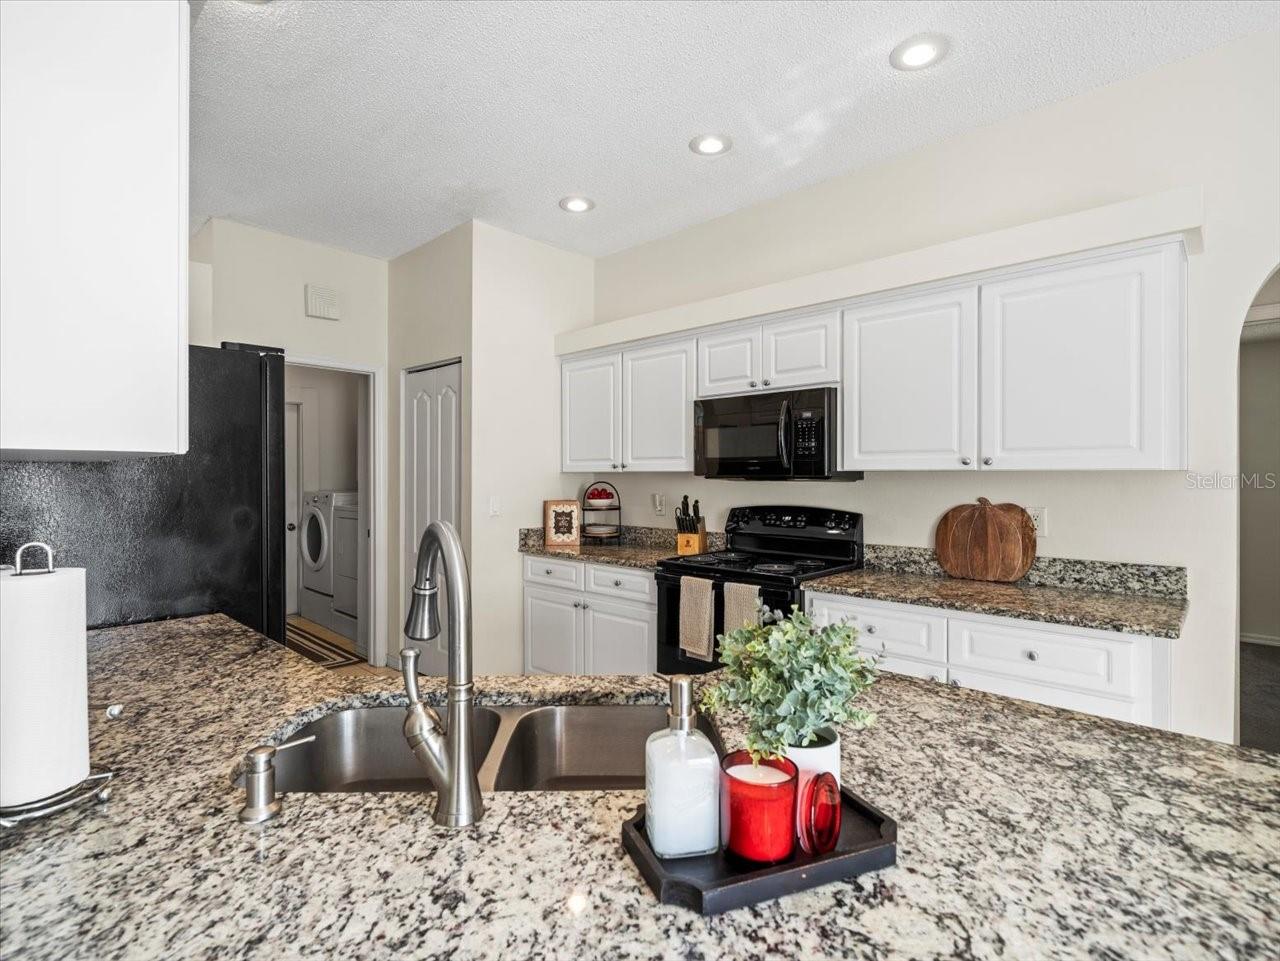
<point>337,400</point>
<point>1260,505</point>
<point>524,293</point>
<point>258,294</point>
<point>1212,120</point>
<point>429,320</point>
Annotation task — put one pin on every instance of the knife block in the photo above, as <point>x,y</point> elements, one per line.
<point>692,543</point>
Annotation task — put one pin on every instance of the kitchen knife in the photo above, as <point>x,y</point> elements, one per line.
<point>684,510</point>
<point>697,518</point>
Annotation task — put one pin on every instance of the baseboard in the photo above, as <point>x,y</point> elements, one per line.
<point>1268,639</point>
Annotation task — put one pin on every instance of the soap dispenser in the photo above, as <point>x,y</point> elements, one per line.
<point>681,782</point>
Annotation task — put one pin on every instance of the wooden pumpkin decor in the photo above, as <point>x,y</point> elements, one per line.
<point>986,541</point>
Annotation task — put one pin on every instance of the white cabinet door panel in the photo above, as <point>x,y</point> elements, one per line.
<point>920,669</point>
<point>591,413</point>
<point>1117,708</point>
<point>910,383</point>
<point>1064,659</point>
<point>729,363</point>
<point>619,638</point>
<point>618,582</point>
<point>1082,366</point>
<point>885,628</point>
<point>93,147</point>
<point>552,631</point>
<point>801,352</point>
<point>657,406</point>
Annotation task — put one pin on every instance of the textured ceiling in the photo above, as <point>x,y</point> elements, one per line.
<point>375,126</point>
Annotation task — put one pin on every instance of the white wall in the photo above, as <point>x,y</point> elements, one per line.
<point>1211,120</point>
<point>337,402</point>
<point>523,294</point>
<point>1260,506</point>
<point>429,320</point>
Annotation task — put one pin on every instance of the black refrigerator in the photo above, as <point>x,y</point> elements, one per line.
<point>172,536</point>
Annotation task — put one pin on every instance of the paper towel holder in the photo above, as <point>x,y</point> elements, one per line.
<point>48,560</point>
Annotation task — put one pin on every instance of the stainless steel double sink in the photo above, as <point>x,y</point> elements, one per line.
<point>556,748</point>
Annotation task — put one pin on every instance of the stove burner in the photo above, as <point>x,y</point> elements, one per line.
<point>810,564</point>
<point>774,568</point>
<point>732,556</point>
<point>701,559</point>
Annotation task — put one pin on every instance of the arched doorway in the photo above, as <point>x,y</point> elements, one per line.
<point>1260,520</point>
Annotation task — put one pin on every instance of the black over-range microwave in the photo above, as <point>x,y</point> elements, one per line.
<point>783,435</point>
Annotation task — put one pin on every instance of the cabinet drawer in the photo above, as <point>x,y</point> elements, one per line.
<point>1080,661</point>
<point>1120,709</point>
<point>886,629</point>
<point>621,583</point>
<point>553,573</point>
<point>920,669</point>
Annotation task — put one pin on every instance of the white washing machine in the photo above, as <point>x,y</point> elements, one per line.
<point>316,545</point>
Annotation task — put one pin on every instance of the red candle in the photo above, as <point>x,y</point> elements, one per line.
<point>758,807</point>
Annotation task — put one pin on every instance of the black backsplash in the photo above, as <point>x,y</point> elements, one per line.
<point>161,536</point>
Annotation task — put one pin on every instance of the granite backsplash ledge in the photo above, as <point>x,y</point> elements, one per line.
<point>1113,577</point>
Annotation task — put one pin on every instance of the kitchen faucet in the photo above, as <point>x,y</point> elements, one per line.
<point>443,749</point>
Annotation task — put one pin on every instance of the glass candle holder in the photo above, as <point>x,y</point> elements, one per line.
<point>758,807</point>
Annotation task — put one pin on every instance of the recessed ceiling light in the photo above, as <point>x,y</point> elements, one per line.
<point>920,51</point>
<point>710,144</point>
<point>576,205</point>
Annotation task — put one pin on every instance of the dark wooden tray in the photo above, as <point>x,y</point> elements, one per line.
<point>720,882</point>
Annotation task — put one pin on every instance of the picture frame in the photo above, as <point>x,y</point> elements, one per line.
<point>562,523</point>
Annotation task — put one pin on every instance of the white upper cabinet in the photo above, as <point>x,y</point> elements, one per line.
<point>93,228</point>
<point>1083,365</point>
<point>910,396</point>
<point>729,362</point>
<point>778,354</point>
<point>657,407</point>
<point>628,411</point>
<point>591,413</point>
<point>802,352</point>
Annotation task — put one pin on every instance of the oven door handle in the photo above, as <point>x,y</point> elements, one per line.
<point>784,419</point>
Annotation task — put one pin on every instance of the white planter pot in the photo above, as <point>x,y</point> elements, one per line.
<point>822,755</point>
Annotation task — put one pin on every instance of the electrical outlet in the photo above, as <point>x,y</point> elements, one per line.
<point>1040,518</point>
<point>659,504</point>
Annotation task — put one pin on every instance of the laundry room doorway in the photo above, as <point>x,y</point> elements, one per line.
<point>331,501</point>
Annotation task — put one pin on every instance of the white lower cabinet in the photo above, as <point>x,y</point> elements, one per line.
<point>552,631</point>
<point>605,629</point>
<point>1122,676</point>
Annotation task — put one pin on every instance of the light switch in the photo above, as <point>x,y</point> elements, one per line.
<point>659,503</point>
<point>495,507</point>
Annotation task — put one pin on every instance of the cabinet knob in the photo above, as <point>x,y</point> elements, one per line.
<point>1032,656</point>
<point>966,461</point>
<point>988,461</point>
<point>624,466</point>
<point>617,582</point>
<point>753,383</point>
<point>766,383</point>
<point>577,603</point>
<point>953,682</point>
<point>614,466</point>
<point>547,572</point>
<point>586,606</point>
<point>871,628</point>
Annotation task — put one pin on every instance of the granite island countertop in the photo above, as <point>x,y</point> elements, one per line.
<point>1025,832</point>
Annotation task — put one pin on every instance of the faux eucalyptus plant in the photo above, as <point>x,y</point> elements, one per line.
<point>791,679</point>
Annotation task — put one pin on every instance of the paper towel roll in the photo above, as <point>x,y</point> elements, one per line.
<point>44,686</point>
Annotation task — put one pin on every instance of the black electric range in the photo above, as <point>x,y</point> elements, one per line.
<point>776,548</point>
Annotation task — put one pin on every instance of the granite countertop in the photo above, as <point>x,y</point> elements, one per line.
<point>1099,610</point>
<point>1127,613</point>
<point>1025,832</point>
<point>638,557</point>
